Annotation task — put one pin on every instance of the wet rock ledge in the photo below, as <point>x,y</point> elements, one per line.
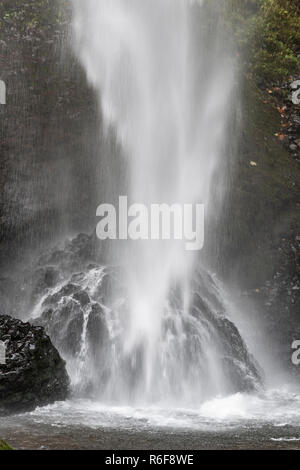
<point>34,373</point>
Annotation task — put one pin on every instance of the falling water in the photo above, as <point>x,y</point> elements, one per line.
<point>164,84</point>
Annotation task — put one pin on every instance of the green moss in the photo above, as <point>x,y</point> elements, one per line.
<point>5,446</point>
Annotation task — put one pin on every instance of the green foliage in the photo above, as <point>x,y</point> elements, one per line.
<point>33,14</point>
<point>276,37</point>
<point>5,446</point>
<point>267,33</point>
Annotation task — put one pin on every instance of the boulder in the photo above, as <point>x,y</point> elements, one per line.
<point>34,373</point>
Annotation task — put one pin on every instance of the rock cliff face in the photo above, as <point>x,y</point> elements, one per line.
<point>34,373</point>
<point>260,247</point>
<point>262,202</point>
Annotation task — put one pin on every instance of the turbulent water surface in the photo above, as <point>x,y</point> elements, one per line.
<point>239,421</point>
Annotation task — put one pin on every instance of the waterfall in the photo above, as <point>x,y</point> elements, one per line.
<point>165,86</point>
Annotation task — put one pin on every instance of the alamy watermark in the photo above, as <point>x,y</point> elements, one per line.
<point>296,94</point>
<point>2,353</point>
<point>2,92</point>
<point>296,353</point>
<point>183,222</point>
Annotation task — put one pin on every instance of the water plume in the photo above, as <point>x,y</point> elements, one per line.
<point>164,83</point>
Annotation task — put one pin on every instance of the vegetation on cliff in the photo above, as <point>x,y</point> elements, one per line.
<point>267,33</point>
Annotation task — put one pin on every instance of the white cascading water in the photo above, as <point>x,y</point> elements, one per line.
<point>165,87</point>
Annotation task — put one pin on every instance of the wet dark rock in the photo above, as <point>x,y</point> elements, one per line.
<point>263,202</point>
<point>242,372</point>
<point>241,377</point>
<point>81,246</point>
<point>217,335</point>
<point>63,322</point>
<point>71,342</point>
<point>278,300</point>
<point>34,373</point>
<point>7,293</point>
<point>96,327</point>
<point>82,297</point>
<point>111,285</point>
<point>43,278</point>
<point>66,291</point>
<point>73,256</point>
<point>77,278</point>
<point>61,115</point>
<point>47,277</point>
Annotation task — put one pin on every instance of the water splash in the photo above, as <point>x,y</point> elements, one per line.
<point>200,353</point>
<point>164,83</point>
